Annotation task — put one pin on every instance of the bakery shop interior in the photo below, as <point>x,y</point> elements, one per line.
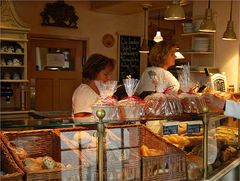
<point>120,90</point>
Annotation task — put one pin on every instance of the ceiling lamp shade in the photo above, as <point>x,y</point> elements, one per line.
<point>179,55</point>
<point>158,37</point>
<point>208,24</point>
<point>174,11</point>
<point>229,34</point>
<point>144,48</point>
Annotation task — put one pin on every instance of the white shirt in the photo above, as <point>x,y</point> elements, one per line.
<point>146,83</point>
<point>83,98</point>
<point>232,109</point>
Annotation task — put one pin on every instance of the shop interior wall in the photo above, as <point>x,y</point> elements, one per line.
<point>92,26</point>
<point>227,57</point>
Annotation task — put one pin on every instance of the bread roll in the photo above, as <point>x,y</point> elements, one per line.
<point>32,165</point>
<point>145,151</point>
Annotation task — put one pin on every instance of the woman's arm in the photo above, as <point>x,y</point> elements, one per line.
<point>82,114</point>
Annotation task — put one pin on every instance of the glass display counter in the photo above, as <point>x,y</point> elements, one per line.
<point>118,150</point>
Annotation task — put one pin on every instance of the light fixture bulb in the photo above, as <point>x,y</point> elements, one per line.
<point>158,37</point>
<point>179,55</point>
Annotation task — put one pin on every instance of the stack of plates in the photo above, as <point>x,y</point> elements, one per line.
<point>188,27</point>
<point>201,44</point>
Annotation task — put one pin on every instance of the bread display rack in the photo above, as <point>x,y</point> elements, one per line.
<point>130,163</point>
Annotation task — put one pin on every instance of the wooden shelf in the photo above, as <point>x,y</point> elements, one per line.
<point>197,53</point>
<point>11,53</point>
<point>12,66</point>
<point>13,81</point>
<point>196,33</point>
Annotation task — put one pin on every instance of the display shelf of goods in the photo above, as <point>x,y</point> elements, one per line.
<point>199,48</point>
<point>132,151</point>
<point>12,62</point>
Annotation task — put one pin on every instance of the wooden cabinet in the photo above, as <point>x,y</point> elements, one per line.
<point>199,48</point>
<point>13,62</point>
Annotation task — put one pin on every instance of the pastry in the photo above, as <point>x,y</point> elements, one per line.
<point>32,165</point>
<point>145,151</point>
<point>194,167</point>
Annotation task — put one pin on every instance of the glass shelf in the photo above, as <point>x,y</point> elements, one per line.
<point>38,120</point>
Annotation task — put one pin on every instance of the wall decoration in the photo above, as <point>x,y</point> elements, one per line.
<point>59,14</point>
<point>129,56</point>
<point>108,40</point>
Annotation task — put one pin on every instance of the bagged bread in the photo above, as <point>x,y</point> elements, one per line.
<point>190,100</point>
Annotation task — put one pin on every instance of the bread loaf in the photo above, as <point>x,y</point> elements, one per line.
<point>145,151</point>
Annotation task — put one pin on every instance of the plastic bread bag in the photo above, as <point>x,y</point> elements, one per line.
<point>190,100</point>
<point>131,107</point>
<point>106,102</point>
<point>164,102</point>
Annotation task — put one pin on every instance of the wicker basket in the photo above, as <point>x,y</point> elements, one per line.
<point>43,143</point>
<point>170,166</point>
<point>9,166</point>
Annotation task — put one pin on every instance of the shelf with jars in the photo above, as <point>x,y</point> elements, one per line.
<point>13,59</point>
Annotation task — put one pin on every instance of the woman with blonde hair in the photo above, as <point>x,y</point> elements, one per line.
<point>161,57</point>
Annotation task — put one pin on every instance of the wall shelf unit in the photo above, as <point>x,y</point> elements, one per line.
<point>13,59</point>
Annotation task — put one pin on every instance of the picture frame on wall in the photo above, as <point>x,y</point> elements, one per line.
<point>128,56</point>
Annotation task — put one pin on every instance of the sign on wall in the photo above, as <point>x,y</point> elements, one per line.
<point>129,56</point>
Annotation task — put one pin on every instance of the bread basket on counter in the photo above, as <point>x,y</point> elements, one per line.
<point>41,143</point>
<point>171,165</point>
<point>8,166</point>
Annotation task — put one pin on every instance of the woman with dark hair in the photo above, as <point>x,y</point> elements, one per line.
<point>161,57</point>
<point>97,67</point>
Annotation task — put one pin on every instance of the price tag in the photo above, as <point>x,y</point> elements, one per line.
<point>194,126</point>
<point>170,128</point>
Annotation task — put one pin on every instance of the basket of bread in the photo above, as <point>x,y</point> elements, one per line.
<point>9,169</point>
<point>159,159</point>
<point>40,154</point>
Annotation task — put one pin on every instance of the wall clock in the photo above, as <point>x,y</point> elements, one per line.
<point>108,40</point>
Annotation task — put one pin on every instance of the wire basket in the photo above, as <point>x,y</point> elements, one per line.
<point>9,166</point>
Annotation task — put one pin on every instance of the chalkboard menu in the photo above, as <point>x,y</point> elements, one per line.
<point>129,56</point>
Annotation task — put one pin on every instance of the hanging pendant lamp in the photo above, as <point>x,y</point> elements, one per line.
<point>144,48</point>
<point>158,36</point>
<point>229,34</point>
<point>174,11</point>
<point>208,24</point>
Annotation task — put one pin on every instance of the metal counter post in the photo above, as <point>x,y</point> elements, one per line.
<point>101,133</point>
<point>205,143</point>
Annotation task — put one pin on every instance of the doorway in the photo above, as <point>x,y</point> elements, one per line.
<point>54,71</point>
